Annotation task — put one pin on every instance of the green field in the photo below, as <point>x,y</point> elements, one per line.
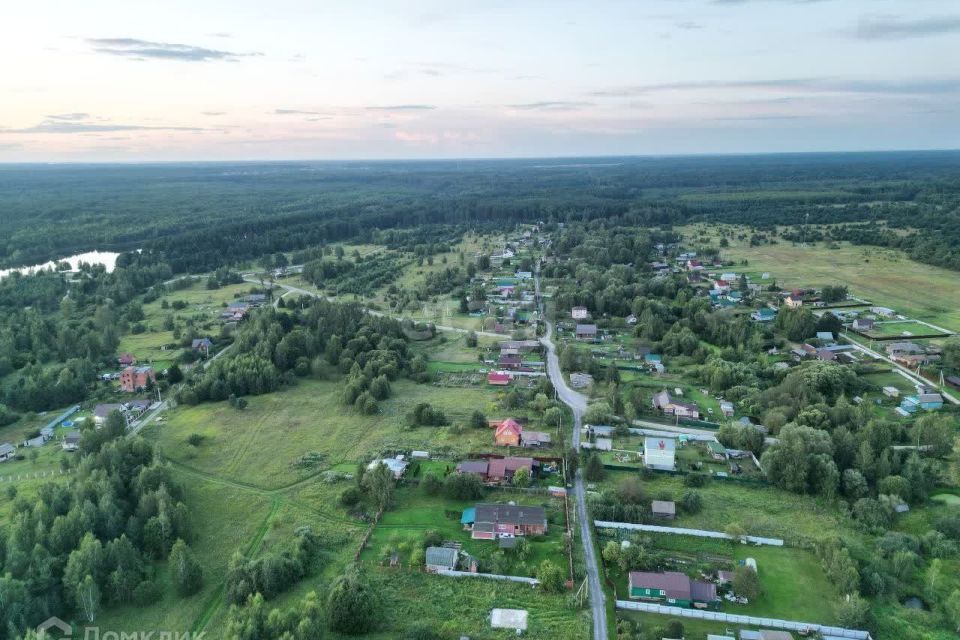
<point>415,514</point>
<point>885,277</point>
<point>903,329</point>
<point>793,584</point>
<point>762,510</point>
<point>261,444</point>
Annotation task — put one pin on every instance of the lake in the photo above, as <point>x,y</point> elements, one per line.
<point>106,258</point>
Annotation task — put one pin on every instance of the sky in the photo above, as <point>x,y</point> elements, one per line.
<point>115,80</point>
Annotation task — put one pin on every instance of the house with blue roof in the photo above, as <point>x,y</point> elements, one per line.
<point>766,314</point>
<point>925,401</point>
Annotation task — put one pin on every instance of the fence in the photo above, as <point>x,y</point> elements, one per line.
<point>698,424</point>
<point>533,582</point>
<point>717,616</point>
<point>63,416</point>
<point>656,433</point>
<point>700,533</point>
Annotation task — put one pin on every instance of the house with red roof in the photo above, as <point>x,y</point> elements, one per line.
<point>498,378</point>
<point>502,469</point>
<point>508,433</point>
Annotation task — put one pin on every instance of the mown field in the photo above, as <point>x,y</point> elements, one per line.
<point>902,329</point>
<point>885,277</point>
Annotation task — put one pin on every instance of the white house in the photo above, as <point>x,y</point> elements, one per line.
<point>579,313</point>
<point>659,453</point>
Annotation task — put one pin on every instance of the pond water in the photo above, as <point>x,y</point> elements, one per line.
<point>914,602</point>
<point>106,258</point>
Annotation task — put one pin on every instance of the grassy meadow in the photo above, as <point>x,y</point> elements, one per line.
<point>262,444</point>
<point>885,277</point>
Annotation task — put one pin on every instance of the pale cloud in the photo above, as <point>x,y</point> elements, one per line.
<point>85,125</point>
<point>799,85</point>
<point>295,112</point>
<point>555,105</point>
<point>403,107</point>
<point>137,49</point>
<point>897,28</point>
<point>72,117</point>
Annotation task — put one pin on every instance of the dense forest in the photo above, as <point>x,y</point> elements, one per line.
<point>195,214</point>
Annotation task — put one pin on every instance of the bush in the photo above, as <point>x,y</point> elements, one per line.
<point>691,502</point>
<point>351,496</point>
<point>425,415</point>
<point>352,606</point>
<point>746,582</point>
<point>195,439</point>
<point>594,471</point>
<point>478,420</point>
<point>185,569</point>
<point>694,480</point>
<point>146,593</point>
<point>431,485</point>
<point>421,632</point>
<point>462,486</point>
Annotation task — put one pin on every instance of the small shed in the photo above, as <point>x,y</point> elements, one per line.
<point>71,442</point>
<point>437,558</point>
<point>603,444</point>
<point>717,450</point>
<point>7,451</point>
<point>664,509</point>
<point>509,619</point>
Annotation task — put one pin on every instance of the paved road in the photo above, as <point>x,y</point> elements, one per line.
<point>578,404</point>
<point>140,424</point>
<point>902,370</point>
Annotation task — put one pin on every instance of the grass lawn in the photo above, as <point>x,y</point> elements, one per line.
<point>761,510</point>
<point>158,348</point>
<point>905,329</point>
<point>261,444</point>
<point>885,277</point>
<point>793,582</point>
<point>890,379</point>
<point>416,513</point>
<point>455,607</point>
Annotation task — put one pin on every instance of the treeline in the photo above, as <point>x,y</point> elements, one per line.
<point>272,573</point>
<point>358,275</point>
<point>93,541</point>
<point>200,213</point>
<point>275,346</point>
<point>57,330</point>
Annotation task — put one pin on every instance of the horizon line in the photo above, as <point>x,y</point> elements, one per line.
<point>712,154</point>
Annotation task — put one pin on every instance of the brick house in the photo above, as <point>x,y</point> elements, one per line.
<point>508,433</point>
<point>136,378</point>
